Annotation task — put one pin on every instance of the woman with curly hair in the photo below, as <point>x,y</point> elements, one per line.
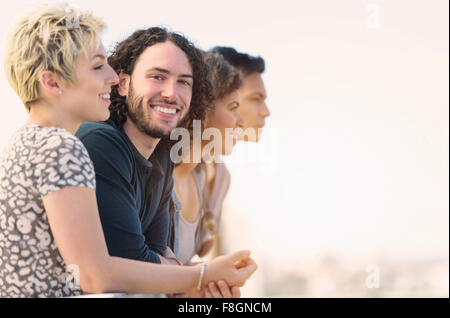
<point>50,230</point>
<point>202,183</point>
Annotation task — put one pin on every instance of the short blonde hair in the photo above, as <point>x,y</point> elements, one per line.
<point>48,38</point>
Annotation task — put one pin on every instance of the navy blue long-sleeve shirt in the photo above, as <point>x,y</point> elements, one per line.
<point>133,193</point>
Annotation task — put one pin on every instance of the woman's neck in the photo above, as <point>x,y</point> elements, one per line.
<point>184,169</point>
<point>188,164</point>
<point>44,114</point>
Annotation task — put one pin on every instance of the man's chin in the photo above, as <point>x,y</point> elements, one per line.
<point>249,139</point>
<point>157,133</point>
<point>160,132</point>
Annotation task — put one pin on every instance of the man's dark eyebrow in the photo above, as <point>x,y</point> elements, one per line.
<point>162,70</point>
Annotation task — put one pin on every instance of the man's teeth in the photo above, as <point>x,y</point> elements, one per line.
<point>104,96</point>
<point>165,110</point>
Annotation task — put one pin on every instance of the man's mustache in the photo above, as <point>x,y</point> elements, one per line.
<point>164,101</point>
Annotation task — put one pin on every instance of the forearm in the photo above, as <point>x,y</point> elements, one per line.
<point>131,276</point>
<point>169,258</point>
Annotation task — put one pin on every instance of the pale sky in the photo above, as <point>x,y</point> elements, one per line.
<point>358,92</point>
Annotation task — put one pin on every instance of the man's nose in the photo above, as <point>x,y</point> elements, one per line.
<point>169,90</point>
<point>264,112</point>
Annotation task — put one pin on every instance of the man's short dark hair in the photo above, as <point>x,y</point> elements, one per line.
<point>126,53</point>
<point>247,64</point>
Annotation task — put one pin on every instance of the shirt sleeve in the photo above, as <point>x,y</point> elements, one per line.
<point>116,198</point>
<point>62,161</point>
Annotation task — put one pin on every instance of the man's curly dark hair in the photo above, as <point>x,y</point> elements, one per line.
<point>123,59</point>
<point>224,77</point>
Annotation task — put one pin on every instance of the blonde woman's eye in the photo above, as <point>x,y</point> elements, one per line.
<point>98,67</point>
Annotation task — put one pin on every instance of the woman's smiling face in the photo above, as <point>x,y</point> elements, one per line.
<point>88,98</point>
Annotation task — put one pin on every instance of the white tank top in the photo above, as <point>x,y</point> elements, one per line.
<point>186,237</point>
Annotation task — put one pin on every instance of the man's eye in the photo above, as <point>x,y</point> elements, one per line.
<point>157,77</point>
<point>187,83</point>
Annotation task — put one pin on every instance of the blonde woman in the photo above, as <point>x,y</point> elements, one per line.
<point>49,223</point>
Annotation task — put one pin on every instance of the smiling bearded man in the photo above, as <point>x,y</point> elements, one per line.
<point>162,80</point>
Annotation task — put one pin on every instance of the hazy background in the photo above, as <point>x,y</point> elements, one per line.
<point>353,167</point>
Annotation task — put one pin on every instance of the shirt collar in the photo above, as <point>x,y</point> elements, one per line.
<point>153,163</point>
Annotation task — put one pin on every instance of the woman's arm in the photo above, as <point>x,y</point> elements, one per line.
<point>75,224</point>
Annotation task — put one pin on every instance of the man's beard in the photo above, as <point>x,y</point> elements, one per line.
<point>140,118</point>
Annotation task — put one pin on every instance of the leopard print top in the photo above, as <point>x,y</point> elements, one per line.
<point>37,161</point>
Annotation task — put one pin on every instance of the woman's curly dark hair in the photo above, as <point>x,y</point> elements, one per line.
<point>126,53</point>
<point>224,77</point>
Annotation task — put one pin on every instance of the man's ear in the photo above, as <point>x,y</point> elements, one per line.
<point>124,84</point>
<point>50,83</point>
